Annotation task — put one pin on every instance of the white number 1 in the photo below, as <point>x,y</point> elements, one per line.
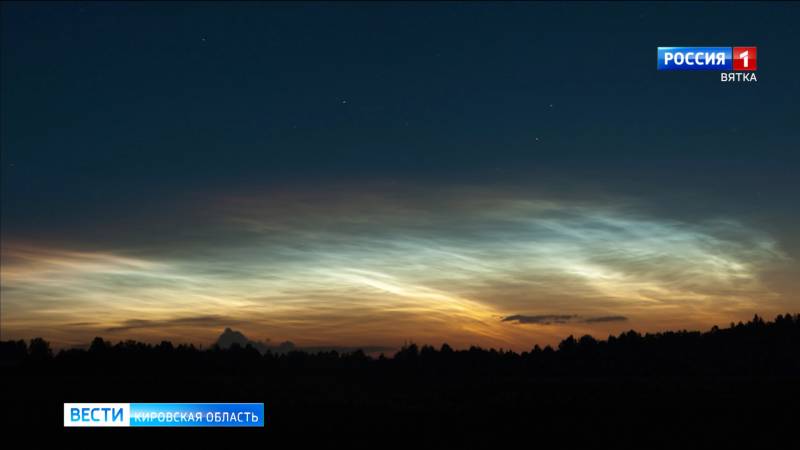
<point>744,56</point>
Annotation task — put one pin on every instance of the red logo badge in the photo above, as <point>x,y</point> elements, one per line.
<point>744,58</point>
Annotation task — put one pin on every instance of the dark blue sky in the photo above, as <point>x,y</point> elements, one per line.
<point>119,121</point>
<point>124,97</point>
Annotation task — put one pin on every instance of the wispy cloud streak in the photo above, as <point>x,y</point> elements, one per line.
<point>358,269</point>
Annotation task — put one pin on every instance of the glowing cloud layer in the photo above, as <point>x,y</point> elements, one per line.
<point>371,269</point>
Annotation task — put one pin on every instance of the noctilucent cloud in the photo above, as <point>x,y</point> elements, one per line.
<point>363,175</point>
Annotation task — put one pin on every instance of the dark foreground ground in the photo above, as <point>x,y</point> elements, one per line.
<point>649,412</point>
<point>725,388</point>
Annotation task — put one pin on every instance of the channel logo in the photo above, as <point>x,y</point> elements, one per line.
<point>745,58</point>
<point>708,58</point>
<point>695,58</point>
<point>163,414</point>
<point>736,63</point>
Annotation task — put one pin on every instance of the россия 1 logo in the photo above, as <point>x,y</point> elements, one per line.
<point>735,63</point>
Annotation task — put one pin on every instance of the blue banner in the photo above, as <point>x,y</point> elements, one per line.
<point>163,414</point>
<point>695,58</point>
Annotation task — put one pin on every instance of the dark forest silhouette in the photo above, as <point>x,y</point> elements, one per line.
<point>727,385</point>
<point>753,348</point>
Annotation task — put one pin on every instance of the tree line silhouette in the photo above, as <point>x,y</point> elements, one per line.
<point>732,386</point>
<point>753,348</point>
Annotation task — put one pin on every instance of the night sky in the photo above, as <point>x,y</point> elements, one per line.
<point>369,174</point>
